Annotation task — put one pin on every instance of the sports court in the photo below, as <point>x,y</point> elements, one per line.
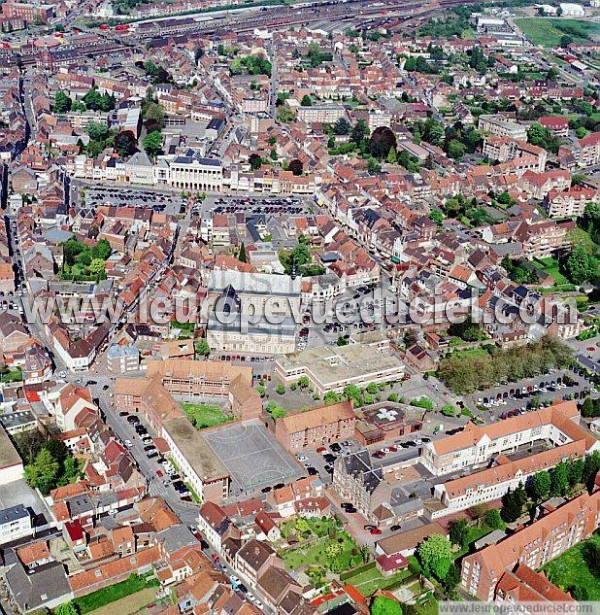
<point>252,456</point>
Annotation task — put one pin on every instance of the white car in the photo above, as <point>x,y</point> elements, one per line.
<point>62,374</point>
<point>128,443</point>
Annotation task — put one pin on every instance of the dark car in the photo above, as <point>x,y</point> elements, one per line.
<point>133,419</point>
<point>149,448</point>
<point>335,447</point>
<point>312,471</point>
<point>329,458</point>
<point>242,588</point>
<point>395,528</point>
<point>90,383</point>
<point>106,387</point>
<point>123,413</point>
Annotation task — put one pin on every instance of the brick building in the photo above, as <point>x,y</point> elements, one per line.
<point>533,546</point>
<point>316,427</point>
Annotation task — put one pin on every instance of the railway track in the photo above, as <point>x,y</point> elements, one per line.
<point>371,12</point>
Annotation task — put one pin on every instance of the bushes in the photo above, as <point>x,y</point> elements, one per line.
<point>422,402</point>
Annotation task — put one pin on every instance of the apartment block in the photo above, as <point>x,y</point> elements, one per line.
<point>475,445</point>
<point>502,127</point>
<point>491,484</point>
<point>533,546</point>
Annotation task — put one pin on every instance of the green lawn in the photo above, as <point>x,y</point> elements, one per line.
<point>206,415</point>
<point>14,375</point>
<point>97,599</point>
<point>548,31</point>
<point>369,581</point>
<point>550,266</point>
<point>475,533</point>
<point>571,570</point>
<point>323,546</point>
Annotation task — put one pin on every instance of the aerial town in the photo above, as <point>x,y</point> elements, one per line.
<point>299,307</point>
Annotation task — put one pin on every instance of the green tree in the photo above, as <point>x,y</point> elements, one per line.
<point>493,519</point>
<point>101,249</point>
<point>435,555</point>
<point>437,216</point>
<point>511,507</point>
<point>382,605</point>
<point>97,266</point>
<point>452,578</point>
<point>456,149</point>
<point>202,347</point>
<point>351,391</point>
<point>303,382</point>
<point>152,143</point>
<point>539,486</point>
<point>566,40</point>
<point>459,532</point>
<point>331,397</point>
<point>360,132</point>
<point>559,479</point>
<point>582,265</point>
<point>242,256</point>
<point>342,126</point>
<point>68,608</point>
<point>591,466</point>
<point>306,101</point>
<point>255,161</point>
<point>62,103</point>
<point>392,157</point>
<point>43,472</point>
<point>154,114</point>
<point>280,389</point>
<point>575,472</point>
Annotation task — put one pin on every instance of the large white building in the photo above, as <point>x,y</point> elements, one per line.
<point>476,445</point>
<point>253,313</point>
<point>190,172</point>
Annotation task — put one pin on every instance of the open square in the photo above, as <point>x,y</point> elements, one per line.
<point>252,456</point>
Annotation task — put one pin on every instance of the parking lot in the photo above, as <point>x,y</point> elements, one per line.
<point>135,197</point>
<point>252,205</point>
<point>524,395</point>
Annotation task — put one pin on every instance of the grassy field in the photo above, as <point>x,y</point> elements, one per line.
<point>550,266</point>
<point>205,415</point>
<point>548,32</point>
<point>571,570</point>
<point>128,605</point>
<point>96,600</point>
<point>369,581</point>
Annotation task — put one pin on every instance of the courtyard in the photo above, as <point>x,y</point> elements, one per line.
<point>206,415</point>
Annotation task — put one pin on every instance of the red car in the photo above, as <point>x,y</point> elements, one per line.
<point>159,473</point>
<point>591,348</point>
<point>375,531</point>
<point>321,449</point>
